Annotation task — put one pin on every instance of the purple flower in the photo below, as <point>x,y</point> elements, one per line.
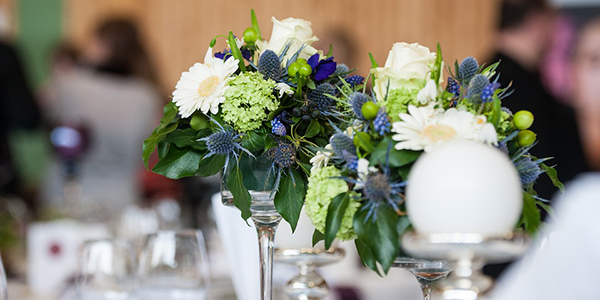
<point>226,54</point>
<point>323,68</point>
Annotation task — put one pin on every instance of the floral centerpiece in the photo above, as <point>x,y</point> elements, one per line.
<point>356,187</point>
<point>271,99</point>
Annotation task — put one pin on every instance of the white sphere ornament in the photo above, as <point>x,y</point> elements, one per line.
<point>464,187</point>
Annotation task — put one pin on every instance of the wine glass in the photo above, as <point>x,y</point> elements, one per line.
<point>107,270</point>
<point>260,181</point>
<point>174,265</point>
<point>3,284</point>
<point>426,271</point>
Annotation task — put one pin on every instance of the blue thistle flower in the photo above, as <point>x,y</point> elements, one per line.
<point>488,91</point>
<point>284,154</point>
<point>340,143</point>
<point>529,170</point>
<point>341,70</point>
<point>453,87</point>
<point>221,143</point>
<point>278,127</point>
<point>382,123</point>
<point>378,190</point>
<point>269,65</point>
<point>355,80</point>
<point>357,99</point>
<point>476,86</point>
<point>467,69</point>
<point>319,95</point>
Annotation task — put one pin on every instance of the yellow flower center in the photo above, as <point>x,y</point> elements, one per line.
<point>439,132</point>
<point>208,86</point>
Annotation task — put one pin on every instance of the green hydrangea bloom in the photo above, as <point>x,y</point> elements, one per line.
<point>322,188</point>
<point>248,101</point>
<point>398,100</point>
<point>505,126</point>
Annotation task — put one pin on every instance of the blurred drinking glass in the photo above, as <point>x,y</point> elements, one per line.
<point>108,270</point>
<point>3,288</point>
<point>174,266</point>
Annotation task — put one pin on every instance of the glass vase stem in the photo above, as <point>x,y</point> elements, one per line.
<point>266,238</point>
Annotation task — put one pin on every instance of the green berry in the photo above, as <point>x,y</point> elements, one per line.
<point>301,61</point>
<point>293,69</point>
<point>523,119</point>
<point>305,70</point>
<point>526,138</point>
<point>369,110</point>
<point>250,35</point>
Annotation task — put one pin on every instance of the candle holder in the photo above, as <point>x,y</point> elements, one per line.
<point>308,283</point>
<point>467,254</point>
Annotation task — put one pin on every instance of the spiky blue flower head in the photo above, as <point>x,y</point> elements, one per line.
<point>340,143</point>
<point>278,127</point>
<point>467,69</point>
<point>341,70</point>
<point>382,122</point>
<point>476,86</point>
<point>453,86</point>
<point>221,142</point>
<point>529,170</point>
<point>355,80</point>
<point>269,65</point>
<point>319,95</point>
<point>378,190</point>
<point>502,146</point>
<point>357,99</point>
<point>284,154</point>
<point>488,91</point>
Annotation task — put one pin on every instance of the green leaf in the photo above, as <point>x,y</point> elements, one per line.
<point>162,149</point>
<point>182,138</point>
<point>330,52</point>
<point>235,51</point>
<point>366,255</point>
<point>311,84</point>
<point>335,214</point>
<point>255,23</point>
<point>547,208</point>
<point>397,158</point>
<point>373,62</point>
<point>290,197</point>
<point>496,112</point>
<point>379,235</point>
<point>253,141</point>
<point>178,163</point>
<point>211,165</point>
<point>553,175</point>
<point>437,70</point>
<point>317,237</point>
<point>363,141</point>
<point>159,133</point>
<point>199,121</point>
<point>530,217</point>
<point>404,171</point>
<point>313,128</point>
<point>241,196</point>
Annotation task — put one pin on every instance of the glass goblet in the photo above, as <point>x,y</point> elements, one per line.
<point>107,270</point>
<point>427,272</point>
<point>174,265</point>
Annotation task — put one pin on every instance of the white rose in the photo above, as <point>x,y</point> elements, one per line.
<point>295,31</point>
<point>407,65</point>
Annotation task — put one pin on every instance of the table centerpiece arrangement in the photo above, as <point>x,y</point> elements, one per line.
<point>356,189</point>
<point>257,113</point>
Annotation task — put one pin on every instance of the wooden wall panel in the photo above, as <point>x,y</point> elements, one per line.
<point>178,32</point>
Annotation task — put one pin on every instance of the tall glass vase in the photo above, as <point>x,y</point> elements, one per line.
<point>260,183</point>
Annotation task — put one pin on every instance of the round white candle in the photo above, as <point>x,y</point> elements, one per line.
<point>464,187</point>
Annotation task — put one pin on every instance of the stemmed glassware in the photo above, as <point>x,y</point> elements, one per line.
<point>426,271</point>
<point>107,270</point>
<point>174,265</point>
<point>3,284</point>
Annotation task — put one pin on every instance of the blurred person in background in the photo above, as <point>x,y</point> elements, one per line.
<point>111,100</point>
<point>586,89</point>
<point>524,35</point>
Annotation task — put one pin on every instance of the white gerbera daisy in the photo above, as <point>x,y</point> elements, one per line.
<point>203,86</point>
<point>424,128</point>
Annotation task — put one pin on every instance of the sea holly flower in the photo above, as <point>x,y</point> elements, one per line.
<point>467,69</point>
<point>476,86</point>
<point>357,99</point>
<point>203,87</point>
<point>283,155</point>
<point>224,142</point>
<point>319,96</point>
<point>269,65</point>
